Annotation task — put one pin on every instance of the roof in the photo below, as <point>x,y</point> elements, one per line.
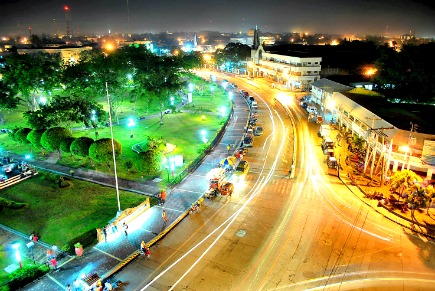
<point>330,86</point>
<point>399,115</point>
<point>286,51</point>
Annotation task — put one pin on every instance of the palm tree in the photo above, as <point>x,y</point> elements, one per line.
<point>401,181</point>
<point>430,195</point>
<point>417,198</point>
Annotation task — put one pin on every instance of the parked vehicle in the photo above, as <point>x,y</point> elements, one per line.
<point>248,139</point>
<point>242,170</point>
<point>327,143</point>
<point>324,130</point>
<point>258,130</point>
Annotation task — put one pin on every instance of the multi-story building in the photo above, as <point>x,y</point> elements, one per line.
<point>295,70</point>
<point>67,52</point>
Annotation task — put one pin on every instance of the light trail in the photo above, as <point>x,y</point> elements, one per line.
<point>232,218</point>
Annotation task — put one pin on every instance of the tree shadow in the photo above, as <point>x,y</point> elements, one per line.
<point>426,251</point>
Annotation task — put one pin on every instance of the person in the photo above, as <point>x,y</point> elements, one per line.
<point>68,287</point>
<point>145,249</point>
<point>229,148</point>
<point>105,233</point>
<point>35,238</point>
<point>159,196</point>
<point>31,237</point>
<point>165,218</point>
<point>54,263</point>
<point>163,196</point>
<point>55,250</point>
<point>108,286</point>
<point>125,226</point>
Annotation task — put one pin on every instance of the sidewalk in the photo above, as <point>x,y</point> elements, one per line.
<point>365,187</point>
<point>106,258</point>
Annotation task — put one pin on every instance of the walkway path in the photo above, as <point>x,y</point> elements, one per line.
<point>106,258</point>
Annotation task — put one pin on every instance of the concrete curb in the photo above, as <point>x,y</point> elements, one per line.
<point>389,218</point>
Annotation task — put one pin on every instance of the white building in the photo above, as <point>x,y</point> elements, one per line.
<point>67,53</point>
<point>295,70</point>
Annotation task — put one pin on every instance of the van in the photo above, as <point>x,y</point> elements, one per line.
<point>312,109</point>
<point>327,143</point>
<point>325,130</point>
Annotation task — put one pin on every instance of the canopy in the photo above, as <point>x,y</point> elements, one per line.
<point>229,161</point>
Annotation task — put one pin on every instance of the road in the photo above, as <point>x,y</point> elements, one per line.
<point>306,233</point>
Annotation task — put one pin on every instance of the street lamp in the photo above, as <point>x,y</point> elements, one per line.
<point>130,124</point>
<point>190,87</point>
<point>405,149</point>
<point>230,96</point>
<point>223,110</point>
<point>172,100</point>
<point>167,171</point>
<point>16,245</point>
<point>204,132</point>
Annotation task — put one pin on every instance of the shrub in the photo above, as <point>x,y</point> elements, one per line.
<point>150,161</point>
<point>34,137</point>
<point>80,146</point>
<point>21,135</point>
<point>65,145</point>
<point>101,150</point>
<point>21,277</point>
<point>52,137</point>
<point>86,239</point>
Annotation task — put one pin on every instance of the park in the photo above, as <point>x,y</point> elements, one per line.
<point>157,117</point>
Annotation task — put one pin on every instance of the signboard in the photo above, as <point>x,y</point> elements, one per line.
<point>428,154</point>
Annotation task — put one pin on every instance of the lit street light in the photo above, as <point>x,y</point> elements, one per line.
<point>172,100</point>
<point>191,87</point>
<point>230,96</point>
<point>130,124</point>
<point>223,110</point>
<point>16,245</point>
<point>204,132</point>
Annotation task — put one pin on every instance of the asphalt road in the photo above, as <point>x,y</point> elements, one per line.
<point>306,233</point>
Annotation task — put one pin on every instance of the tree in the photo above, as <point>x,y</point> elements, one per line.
<point>128,165</point>
<point>80,146</point>
<point>417,198</point>
<point>30,74</point>
<point>430,195</point>
<point>149,161</point>
<point>402,181</point>
<point>52,138</point>
<point>101,150</point>
<point>21,135</point>
<point>64,111</point>
<point>232,54</point>
<point>34,137</point>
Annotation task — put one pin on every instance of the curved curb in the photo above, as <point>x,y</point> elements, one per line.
<point>389,218</point>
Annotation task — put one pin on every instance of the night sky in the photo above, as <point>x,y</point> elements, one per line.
<point>373,17</point>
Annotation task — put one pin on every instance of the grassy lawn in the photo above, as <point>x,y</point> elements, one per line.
<point>59,215</point>
<point>180,129</point>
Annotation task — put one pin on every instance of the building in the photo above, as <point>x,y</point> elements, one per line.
<point>295,70</point>
<point>397,135</point>
<point>68,53</point>
<point>322,91</point>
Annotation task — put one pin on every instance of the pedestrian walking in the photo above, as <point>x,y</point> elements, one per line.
<point>55,250</point>
<point>165,218</point>
<point>159,196</point>
<point>49,255</point>
<point>54,263</point>
<point>125,226</point>
<point>229,148</point>
<point>163,196</point>
<point>68,287</point>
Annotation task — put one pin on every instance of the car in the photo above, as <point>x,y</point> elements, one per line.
<point>242,169</point>
<point>258,130</point>
<point>167,111</point>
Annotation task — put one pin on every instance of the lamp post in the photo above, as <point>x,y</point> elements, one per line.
<point>212,91</point>
<point>131,123</point>
<point>172,100</point>
<point>223,110</point>
<point>16,246</point>
<point>230,96</point>
<point>113,151</point>
<point>204,132</point>
<point>167,171</point>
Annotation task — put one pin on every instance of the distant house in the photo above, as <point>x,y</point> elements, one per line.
<point>69,53</point>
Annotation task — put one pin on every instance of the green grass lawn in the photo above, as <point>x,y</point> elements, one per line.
<point>59,215</point>
<point>180,129</point>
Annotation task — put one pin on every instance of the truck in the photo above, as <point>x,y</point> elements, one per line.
<point>219,185</point>
<point>324,130</point>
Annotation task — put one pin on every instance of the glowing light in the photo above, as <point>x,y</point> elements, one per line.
<point>66,8</point>
<point>404,148</point>
<point>334,42</point>
<point>370,71</point>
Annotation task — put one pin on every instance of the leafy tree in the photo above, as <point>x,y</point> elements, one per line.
<point>7,97</point>
<point>430,195</point>
<point>29,74</point>
<point>128,165</point>
<point>232,54</point>
<point>34,137</point>
<point>417,198</point>
<point>21,135</point>
<point>150,161</point>
<point>402,181</point>
<point>52,138</point>
<point>64,111</point>
<point>80,146</point>
<point>101,150</point>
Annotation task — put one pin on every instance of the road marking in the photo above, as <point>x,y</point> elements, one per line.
<point>106,253</point>
<point>57,282</point>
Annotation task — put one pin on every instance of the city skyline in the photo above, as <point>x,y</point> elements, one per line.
<point>134,16</point>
